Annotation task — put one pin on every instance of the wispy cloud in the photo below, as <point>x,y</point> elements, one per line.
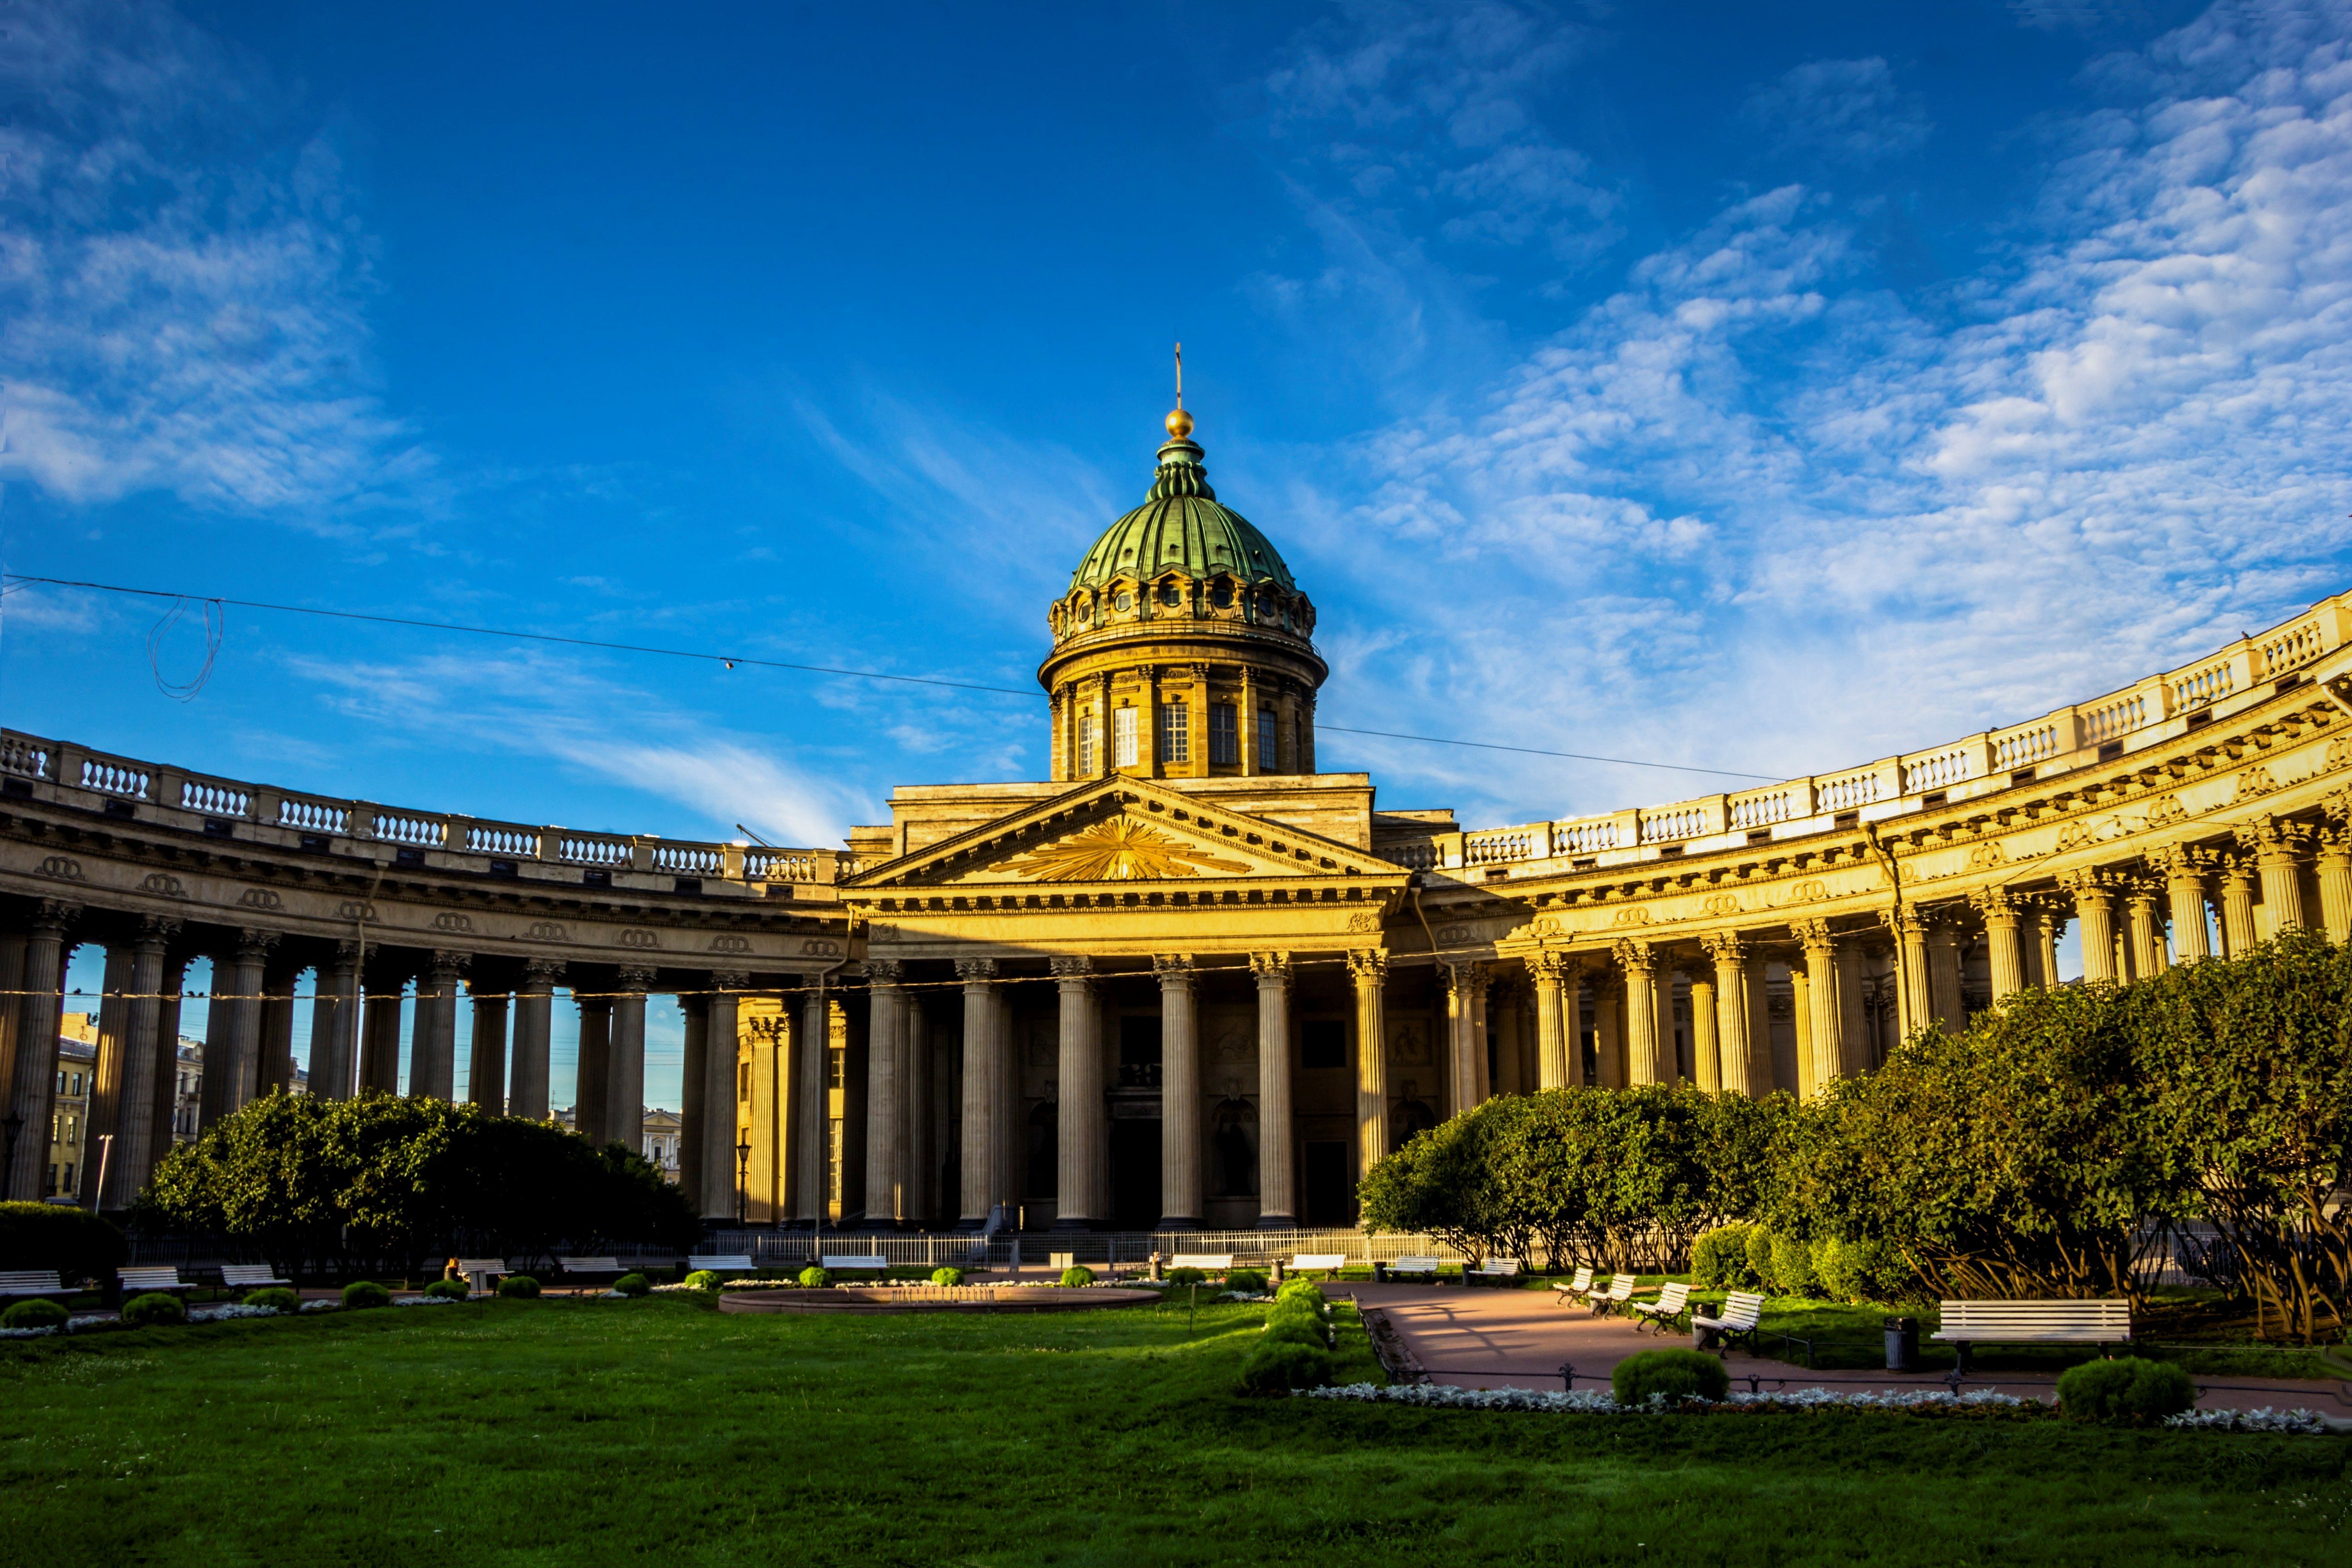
<point>1851,112</point>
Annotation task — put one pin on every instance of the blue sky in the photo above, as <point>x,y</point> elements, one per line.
<point>1756,387</point>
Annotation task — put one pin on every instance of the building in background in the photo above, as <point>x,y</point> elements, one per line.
<point>187,1097</point>
<point>69,1124</point>
<point>663,1129</point>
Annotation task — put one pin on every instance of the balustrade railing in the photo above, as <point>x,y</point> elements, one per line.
<point>2294,647</point>
<point>2025,745</point>
<point>2210,684</point>
<point>2109,721</point>
<point>313,815</point>
<point>1417,855</point>
<point>214,799</point>
<point>25,756</point>
<point>1849,793</point>
<point>498,839</point>
<point>1937,770</point>
<point>585,850</point>
<point>687,860</point>
<point>399,828</point>
<point>1761,808</point>
<point>109,777</point>
<point>1590,838</point>
<point>1496,847</point>
<point>1674,822</point>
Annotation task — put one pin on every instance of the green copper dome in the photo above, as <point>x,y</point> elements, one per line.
<point>1181,527</point>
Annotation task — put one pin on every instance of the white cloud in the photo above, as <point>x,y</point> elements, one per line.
<point>1851,112</point>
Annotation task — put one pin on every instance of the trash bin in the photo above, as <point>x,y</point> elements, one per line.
<point>1380,1273</point>
<point>1901,1345</point>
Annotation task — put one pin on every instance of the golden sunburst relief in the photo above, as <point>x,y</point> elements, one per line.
<point>1119,851</point>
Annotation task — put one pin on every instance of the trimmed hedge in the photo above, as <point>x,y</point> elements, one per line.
<point>74,1242</point>
<point>449,1289</point>
<point>1188,1276</point>
<point>1247,1281</point>
<point>154,1308</point>
<point>363,1293</point>
<point>946,1276</point>
<point>1078,1274</point>
<point>703,1280</point>
<point>33,1315</point>
<point>1676,1373</point>
<point>814,1277</point>
<point>1278,1366</point>
<point>2129,1390</point>
<point>518,1288</point>
<point>1305,1290</point>
<point>632,1285</point>
<point>276,1298</point>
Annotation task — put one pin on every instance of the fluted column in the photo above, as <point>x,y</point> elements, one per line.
<point>335,1022</point>
<point>917,1158</point>
<point>1825,1030</point>
<point>2008,958</point>
<point>886,1046</point>
<point>811,1107</point>
<point>1732,1007</point>
<point>143,1061</point>
<point>232,1030</point>
<point>1080,1129</point>
<point>591,1085</point>
<point>1278,1202</point>
<point>1609,1027</point>
<point>2278,849</point>
<point>2237,905</point>
<point>982,1047</point>
<point>764,1183</point>
<point>2186,870</point>
<point>691,1120</point>
<point>534,1020</point>
<point>1368,968</point>
<point>1553,973</point>
<point>2145,922</point>
<point>2335,859</point>
<point>380,1018</point>
<point>2045,922</point>
<point>718,1102</point>
<point>33,1078</point>
<point>1914,993</point>
<point>276,1068</point>
<point>1482,1077</point>
<point>433,1062</point>
<point>12,982</point>
<point>1706,1059</point>
<point>2094,906</point>
<point>625,1087</point>
<point>1465,985</point>
<point>485,1053</point>
<point>1945,1004</point>
<point>1180,1093</point>
<point>1645,1059</point>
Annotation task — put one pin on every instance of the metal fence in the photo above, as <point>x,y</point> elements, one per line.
<point>775,1248</point>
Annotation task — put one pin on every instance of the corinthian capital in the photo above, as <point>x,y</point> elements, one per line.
<point>1368,965</point>
<point>1634,955</point>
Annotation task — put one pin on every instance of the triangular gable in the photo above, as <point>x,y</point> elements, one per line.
<point>1123,830</point>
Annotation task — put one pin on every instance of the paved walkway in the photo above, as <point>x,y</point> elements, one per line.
<point>1519,1338</point>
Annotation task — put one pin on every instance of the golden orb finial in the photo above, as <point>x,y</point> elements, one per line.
<point>1180,423</point>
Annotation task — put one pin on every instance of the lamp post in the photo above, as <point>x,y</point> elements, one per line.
<point>742,1176</point>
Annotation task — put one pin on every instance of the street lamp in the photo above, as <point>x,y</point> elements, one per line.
<point>742,1178</point>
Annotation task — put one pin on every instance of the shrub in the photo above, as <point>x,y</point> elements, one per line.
<point>1188,1276</point>
<point>2129,1390</point>
<point>361,1293</point>
<point>946,1276</point>
<point>1305,1290</point>
<point>276,1298</point>
<point>1861,1271</point>
<point>1297,1312</point>
<point>518,1288</point>
<point>1719,1258</point>
<point>1277,1365</point>
<point>632,1284</point>
<point>1078,1274</point>
<point>73,1242</point>
<point>1792,1267</point>
<point>1291,1331</point>
<point>703,1280</point>
<point>1759,1257</point>
<point>449,1289</point>
<point>33,1315</point>
<point>814,1277</point>
<point>1248,1281</point>
<point>1676,1373</point>
<point>154,1308</point>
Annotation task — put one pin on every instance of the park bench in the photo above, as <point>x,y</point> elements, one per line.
<point>1742,1310</point>
<point>853,1263</point>
<point>481,1274</point>
<point>1661,1314</point>
<point>1573,1288</point>
<point>138,1281</point>
<point>1620,1291</point>
<point>1321,1262</point>
<point>1415,1265</point>
<point>1207,1262</point>
<point>251,1277</point>
<point>30,1282</point>
<point>723,1263</point>
<point>2099,1323</point>
<point>1497,1269</point>
<point>591,1266</point>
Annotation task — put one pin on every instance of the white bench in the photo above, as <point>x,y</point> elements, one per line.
<point>1573,1288</point>
<point>590,1266</point>
<point>1207,1262</point>
<point>722,1263</point>
<point>29,1283</point>
<point>1620,1291</point>
<point>1493,1268</point>
<point>1415,1265</point>
<point>251,1277</point>
<point>1324,1262</point>
<point>1742,1310</point>
<point>481,1274</point>
<point>2098,1323</point>
<point>139,1282</point>
<point>1660,1314</point>
<point>853,1263</point>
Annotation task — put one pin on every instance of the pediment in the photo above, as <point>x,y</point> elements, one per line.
<point>1126,832</point>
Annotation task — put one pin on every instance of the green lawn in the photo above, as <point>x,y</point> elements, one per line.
<point>567,1432</point>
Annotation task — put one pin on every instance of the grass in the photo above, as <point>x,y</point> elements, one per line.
<point>558,1432</point>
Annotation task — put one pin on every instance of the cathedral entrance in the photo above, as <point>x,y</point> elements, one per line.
<point>1134,1173</point>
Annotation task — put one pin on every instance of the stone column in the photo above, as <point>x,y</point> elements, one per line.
<point>177,960</point>
<point>1914,993</point>
<point>1180,1093</point>
<point>624,1086</point>
<point>592,1088</point>
<point>1481,1073</point>
<point>1609,1029</point>
<point>1945,1003</point>
<point>1368,968</point>
<point>2001,943</point>
<point>2278,849</point>
<point>1825,1015</point>
<point>1706,1060</point>
<point>380,1032</point>
<point>534,1020</point>
<point>917,1159</point>
<point>276,1069</point>
<point>1645,1059</point>
<point>1556,1053</point>
<point>1278,1200</point>
<point>433,1063</point>
<point>1801,1018</point>
<point>335,1022</point>
<point>485,1054</point>
<point>691,1119</point>
<point>1463,1048</point>
<point>2237,905</point>
<point>2186,870</point>
<point>233,1029</point>
<point>2045,922</point>
<point>2335,866</point>
<point>813,1142</point>
<point>1734,1007</point>
<point>1082,1147</point>
<point>146,1060</point>
<point>2094,906</point>
<point>720,1050</point>
<point>2147,928</point>
<point>983,1048</point>
<point>886,1046</point>
<point>33,1080</point>
<point>12,982</point>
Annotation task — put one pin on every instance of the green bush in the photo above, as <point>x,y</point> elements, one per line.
<point>1248,1281</point>
<point>1293,1332</point>
<point>1188,1276</point>
<point>1078,1274</point>
<point>518,1288</point>
<point>449,1289</point>
<point>2129,1390</point>
<point>1792,1267</point>
<point>154,1308</point>
<point>1279,1365</point>
<point>1305,1290</point>
<point>1719,1258</point>
<point>73,1242</point>
<point>1676,1373</point>
<point>632,1285</point>
<point>361,1293</point>
<point>946,1276</point>
<point>276,1298</point>
<point>1759,1257</point>
<point>814,1277</point>
<point>703,1280</point>
<point>33,1315</point>
<point>1862,1271</point>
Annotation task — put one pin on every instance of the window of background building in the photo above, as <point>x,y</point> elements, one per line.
<point>1224,742</point>
<point>833,1161</point>
<point>834,1069</point>
<point>1123,738</point>
<point>1266,745</point>
<point>1089,738</point>
<point>743,1082</point>
<point>1175,732</point>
